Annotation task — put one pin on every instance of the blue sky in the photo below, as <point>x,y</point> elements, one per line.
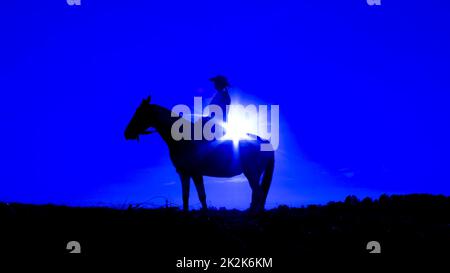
<point>363,94</point>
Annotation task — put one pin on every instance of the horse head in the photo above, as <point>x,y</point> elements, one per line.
<point>141,121</point>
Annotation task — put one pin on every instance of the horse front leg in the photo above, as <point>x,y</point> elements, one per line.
<point>198,182</point>
<point>185,183</point>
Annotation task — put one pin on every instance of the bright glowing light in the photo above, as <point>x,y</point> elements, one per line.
<point>239,125</point>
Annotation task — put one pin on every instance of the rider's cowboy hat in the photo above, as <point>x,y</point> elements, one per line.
<point>222,80</point>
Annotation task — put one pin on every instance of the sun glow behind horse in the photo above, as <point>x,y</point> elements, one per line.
<point>239,124</point>
<point>244,122</point>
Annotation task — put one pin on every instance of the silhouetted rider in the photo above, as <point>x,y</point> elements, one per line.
<point>221,98</point>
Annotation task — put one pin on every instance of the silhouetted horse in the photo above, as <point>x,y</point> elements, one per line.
<point>198,158</point>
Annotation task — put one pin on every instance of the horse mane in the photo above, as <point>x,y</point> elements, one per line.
<point>164,119</point>
<point>165,116</point>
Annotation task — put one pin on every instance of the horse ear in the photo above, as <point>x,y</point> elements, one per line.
<point>147,100</point>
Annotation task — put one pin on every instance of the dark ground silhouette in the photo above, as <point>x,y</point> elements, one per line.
<point>404,225</point>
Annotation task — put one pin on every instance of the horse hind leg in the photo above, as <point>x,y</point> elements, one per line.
<point>200,186</point>
<point>267,178</point>
<point>257,193</point>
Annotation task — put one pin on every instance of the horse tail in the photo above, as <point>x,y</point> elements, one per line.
<point>267,177</point>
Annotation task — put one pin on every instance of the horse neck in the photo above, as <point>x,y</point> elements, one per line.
<point>163,124</point>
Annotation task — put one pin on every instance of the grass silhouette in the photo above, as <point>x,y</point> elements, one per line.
<point>403,224</point>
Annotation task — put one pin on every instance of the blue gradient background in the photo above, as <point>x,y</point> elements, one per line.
<point>363,94</point>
